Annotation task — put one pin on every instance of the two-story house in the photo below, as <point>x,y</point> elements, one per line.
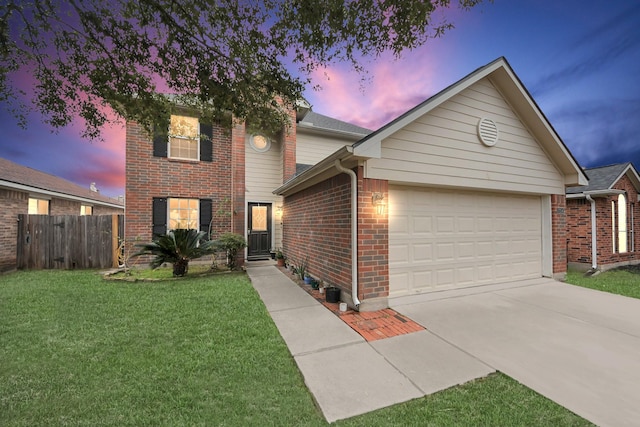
<point>465,189</point>
<point>208,177</point>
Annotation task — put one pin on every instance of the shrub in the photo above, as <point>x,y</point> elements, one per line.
<point>177,247</point>
<point>231,243</point>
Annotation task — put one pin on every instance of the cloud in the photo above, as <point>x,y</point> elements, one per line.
<point>601,132</point>
<point>390,88</point>
<point>595,50</point>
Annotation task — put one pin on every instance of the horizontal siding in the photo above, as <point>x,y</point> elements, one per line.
<point>263,173</point>
<point>310,149</point>
<point>442,148</point>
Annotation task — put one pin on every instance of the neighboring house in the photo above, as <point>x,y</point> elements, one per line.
<point>602,218</point>
<point>467,188</point>
<point>28,191</point>
<point>207,177</point>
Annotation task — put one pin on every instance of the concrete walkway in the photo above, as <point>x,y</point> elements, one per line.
<point>578,347</point>
<point>347,375</point>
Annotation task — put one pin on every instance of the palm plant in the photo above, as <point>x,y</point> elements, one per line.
<point>177,247</point>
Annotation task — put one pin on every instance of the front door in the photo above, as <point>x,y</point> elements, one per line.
<point>259,226</point>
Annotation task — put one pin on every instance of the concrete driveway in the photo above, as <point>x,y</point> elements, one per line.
<point>576,346</point>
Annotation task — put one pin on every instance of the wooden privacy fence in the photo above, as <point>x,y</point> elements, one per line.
<point>69,241</point>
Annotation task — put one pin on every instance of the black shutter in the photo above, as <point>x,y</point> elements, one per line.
<point>160,140</point>
<point>206,206</point>
<point>206,142</point>
<point>159,215</point>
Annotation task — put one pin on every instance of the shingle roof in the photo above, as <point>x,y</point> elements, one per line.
<point>329,123</point>
<point>17,174</point>
<point>601,178</point>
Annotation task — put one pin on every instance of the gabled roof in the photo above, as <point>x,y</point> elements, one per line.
<point>22,178</point>
<point>507,82</point>
<point>603,178</point>
<point>316,121</point>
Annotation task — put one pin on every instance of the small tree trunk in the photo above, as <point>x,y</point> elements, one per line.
<point>180,268</point>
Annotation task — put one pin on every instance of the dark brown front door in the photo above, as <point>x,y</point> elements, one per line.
<point>259,226</point>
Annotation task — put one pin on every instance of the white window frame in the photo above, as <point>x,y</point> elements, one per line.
<point>172,211</point>
<point>184,138</point>
<point>623,237</point>
<point>83,210</point>
<point>38,200</point>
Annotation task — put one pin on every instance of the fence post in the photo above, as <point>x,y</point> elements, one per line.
<point>114,241</point>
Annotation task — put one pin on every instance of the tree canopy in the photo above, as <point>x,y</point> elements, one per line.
<point>250,58</point>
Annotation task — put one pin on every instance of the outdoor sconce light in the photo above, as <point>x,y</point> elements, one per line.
<point>377,199</point>
<point>279,210</point>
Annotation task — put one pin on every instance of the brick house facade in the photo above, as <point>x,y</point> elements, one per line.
<point>19,184</point>
<point>318,212</point>
<point>611,189</point>
<point>229,179</point>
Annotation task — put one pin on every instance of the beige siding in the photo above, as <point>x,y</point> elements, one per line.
<point>442,148</point>
<point>310,149</point>
<point>263,173</point>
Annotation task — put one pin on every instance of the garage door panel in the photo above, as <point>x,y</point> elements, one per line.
<point>453,239</point>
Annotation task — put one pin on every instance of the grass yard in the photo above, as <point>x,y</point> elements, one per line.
<point>78,350</point>
<point>622,281</point>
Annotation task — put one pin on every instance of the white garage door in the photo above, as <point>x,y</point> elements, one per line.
<point>446,239</point>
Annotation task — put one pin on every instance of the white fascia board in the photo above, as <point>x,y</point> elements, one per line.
<point>34,190</point>
<point>594,193</point>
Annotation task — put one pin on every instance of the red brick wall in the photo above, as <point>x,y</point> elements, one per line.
<point>316,224</point>
<point>13,203</point>
<point>373,240</point>
<point>289,149</point>
<point>579,233</point>
<point>148,177</point>
<point>559,234</point>
<point>238,134</point>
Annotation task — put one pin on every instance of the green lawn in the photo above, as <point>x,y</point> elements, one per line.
<point>78,350</point>
<point>623,281</point>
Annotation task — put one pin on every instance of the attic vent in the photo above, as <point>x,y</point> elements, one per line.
<point>488,132</point>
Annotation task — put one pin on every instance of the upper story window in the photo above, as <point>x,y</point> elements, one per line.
<point>38,207</point>
<point>183,213</point>
<point>184,137</point>
<point>86,210</point>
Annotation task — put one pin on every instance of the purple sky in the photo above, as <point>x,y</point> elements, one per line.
<point>580,59</point>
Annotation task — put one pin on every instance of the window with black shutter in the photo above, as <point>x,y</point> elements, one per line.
<point>206,206</point>
<point>206,142</point>
<point>159,216</point>
<point>160,140</point>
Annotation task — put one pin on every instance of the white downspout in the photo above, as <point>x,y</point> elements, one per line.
<point>354,231</point>
<point>594,241</point>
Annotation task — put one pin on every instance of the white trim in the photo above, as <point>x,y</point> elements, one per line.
<point>547,236</point>
<point>58,195</point>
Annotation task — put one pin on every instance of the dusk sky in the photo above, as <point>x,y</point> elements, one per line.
<point>580,60</point>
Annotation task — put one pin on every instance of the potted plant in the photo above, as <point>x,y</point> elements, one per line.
<point>332,294</point>
<point>279,258</point>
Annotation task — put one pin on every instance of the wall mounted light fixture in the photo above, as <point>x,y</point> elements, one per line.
<point>377,199</point>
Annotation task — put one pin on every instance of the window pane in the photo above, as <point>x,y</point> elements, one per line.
<point>186,127</point>
<point>259,218</point>
<point>183,213</point>
<point>622,223</point>
<point>38,207</point>
<point>184,137</point>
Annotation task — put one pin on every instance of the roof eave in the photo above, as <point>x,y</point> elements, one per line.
<point>595,193</point>
<point>354,136</point>
<point>319,172</point>
<point>57,194</point>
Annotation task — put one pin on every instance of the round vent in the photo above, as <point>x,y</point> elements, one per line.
<point>488,132</point>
